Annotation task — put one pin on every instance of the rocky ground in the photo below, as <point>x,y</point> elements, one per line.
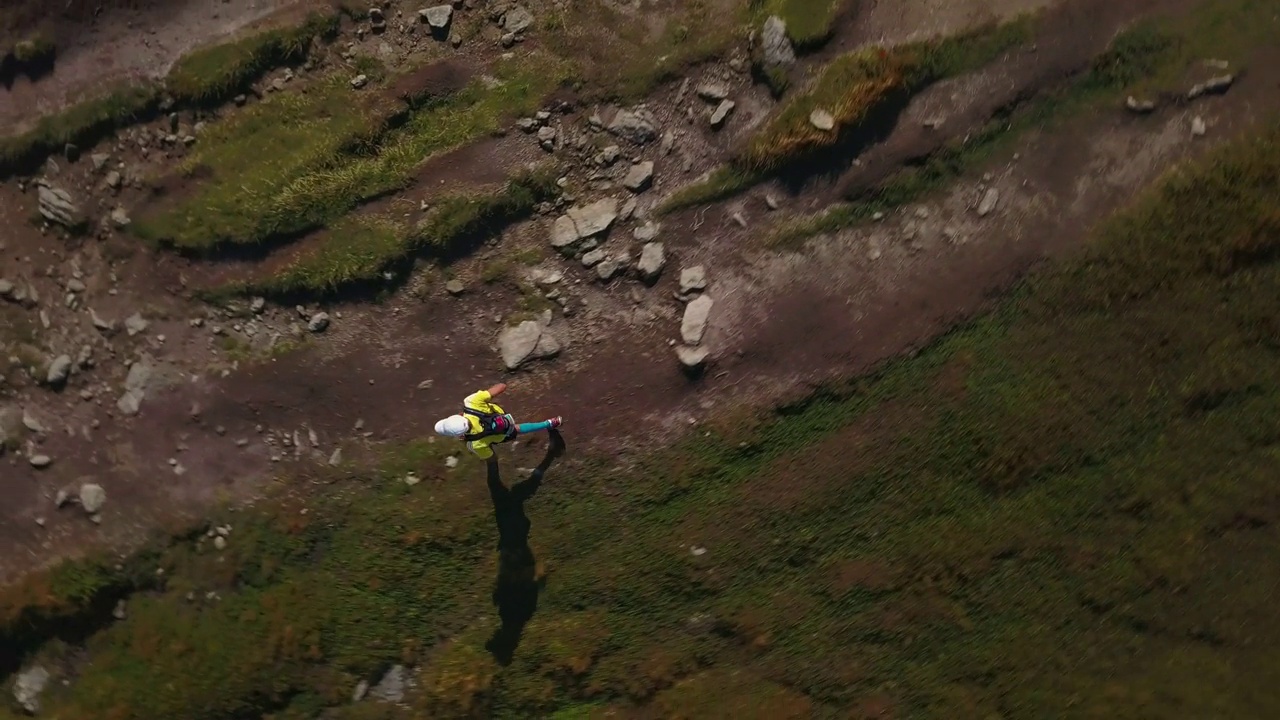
<point>128,404</point>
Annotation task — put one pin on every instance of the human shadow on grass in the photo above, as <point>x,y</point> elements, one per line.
<point>516,589</point>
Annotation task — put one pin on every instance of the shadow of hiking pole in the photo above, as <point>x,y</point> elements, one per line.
<point>516,589</point>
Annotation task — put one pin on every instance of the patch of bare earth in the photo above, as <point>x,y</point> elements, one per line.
<point>212,427</point>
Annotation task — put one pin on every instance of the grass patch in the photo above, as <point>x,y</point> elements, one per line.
<point>35,50</point>
<point>1151,58</point>
<point>81,124</point>
<point>212,75</point>
<point>358,249</point>
<point>724,183</point>
<point>810,23</point>
<point>1067,507</point>
<point>205,77</point>
<point>859,90</point>
<point>338,154</point>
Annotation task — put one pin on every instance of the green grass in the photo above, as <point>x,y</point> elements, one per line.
<point>856,89</point>
<point>205,77</point>
<point>35,50</point>
<point>358,248</point>
<point>80,124</point>
<point>810,23</point>
<point>332,155</point>
<point>1152,57</point>
<point>1066,508</point>
<point>212,75</point>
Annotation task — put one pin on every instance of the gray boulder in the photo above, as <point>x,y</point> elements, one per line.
<point>437,17</point>
<point>57,207</point>
<point>391,687</point>
<point>694,324</point>
<point>92,497</point>
<point>530,340</point>
<point>583,222</point>
<point>691,358</point>
<point>517,19</point>
<point>653,258</point>
<point>637,125</point>
<point>135,388</point>
<point>774,43</point>
<point>693,279</point>
<point>639,177</point>
<point>27,688</point>
<point>59,370</point>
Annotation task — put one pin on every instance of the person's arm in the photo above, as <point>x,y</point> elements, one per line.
<point>497,390</point>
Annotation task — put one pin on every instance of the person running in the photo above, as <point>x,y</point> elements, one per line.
<point>482,423</point>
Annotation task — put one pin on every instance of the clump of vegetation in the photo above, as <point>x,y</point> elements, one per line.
<point>81,124</point>
<point>855,89</point>
<point>212,75</point>
<point>205,77</point>
<point>34,51</point>
<point>358,249</point>
<point>338,155</point>
<point>810,23</point>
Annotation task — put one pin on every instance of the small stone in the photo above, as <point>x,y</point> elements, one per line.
<point>451,461</point>
<point>120,218</point>
<point>721,113</point>
<point>335,459</point>
<point>691,358</point>
<point>99,161</point>
<point>775,45</point>
<point>59,370</point>
<point>822,120</point>
<point>119,612</point>
<point>99,323</point>
<point>412,479</point>
<point>28,686</point>
<point>362,689</point>
<point>220,543</point>
<point>528,125</point>
<point>257,305</point>
<point>637,125</point>
<point>61,499</point>
<point>712,91</point>
<point>40,462</point>
<point>609,155</point>
<point>1141,107</point>
<point>359,81</point>
<point>639,177</point>
<point>771,201</point>
<point>135,324</point>
<point>437,17</point>
<point>609,269</point>
<point>455,287</point>
<point>240,100</point>
<point>92,498</point>
<point>653,259</point>
<point>694,323</point>
<point>645,232</point>
<point>318,322</point>
<point>593,258</point>
<point>693,279</point>
<point>547,137</point>
<point>990,200</point>
<point>517,20</point>
<point>6,289</point>
<point>75,286</point>
<point>1198,127</point>
<point>114,180</point>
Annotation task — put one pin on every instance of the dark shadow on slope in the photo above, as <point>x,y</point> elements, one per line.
<point>517,586</point>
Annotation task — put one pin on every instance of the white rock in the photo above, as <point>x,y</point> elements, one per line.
<point>639,177</point>
<point>135,324</point>
<point>990,200</point>
<point>318,322</point>
<point>653,258</point>
<point>40,462</point>
<point>438,16</point>
<point>1198,127</point>
<point>693,279</point>
<point>721,113</point>
<point>691,357</point>
<point>27,688</point>
<point>822,119</point>
<point>696,315</point>
<point>92,497</point>
<point>59,370</point>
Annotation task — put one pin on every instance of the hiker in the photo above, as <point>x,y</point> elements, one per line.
<point>482,423</point>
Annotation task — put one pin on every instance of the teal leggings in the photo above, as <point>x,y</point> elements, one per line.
<point>533,427</point>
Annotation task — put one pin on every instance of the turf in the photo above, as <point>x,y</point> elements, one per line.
<point>339,155</point>
<point>1065,508</point>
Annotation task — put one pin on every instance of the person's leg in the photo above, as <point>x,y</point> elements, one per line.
<point>554,422</point>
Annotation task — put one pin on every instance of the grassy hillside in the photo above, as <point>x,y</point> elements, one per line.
<point>1066,508</point>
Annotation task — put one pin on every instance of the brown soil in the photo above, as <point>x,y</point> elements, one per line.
<point>782,323</point>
